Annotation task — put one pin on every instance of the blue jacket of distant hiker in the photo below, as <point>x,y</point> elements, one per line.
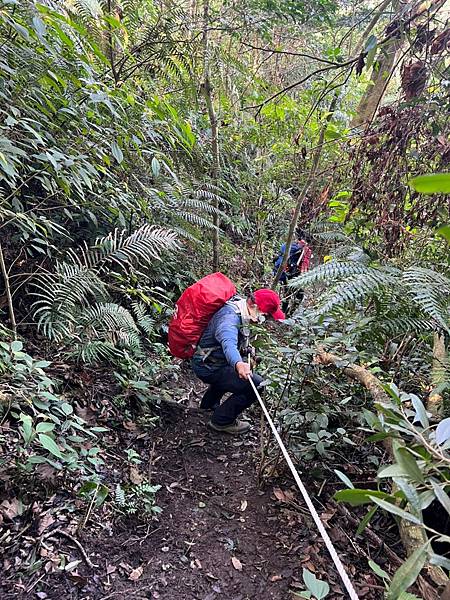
<point>291,266</point>
<point>220,343</point>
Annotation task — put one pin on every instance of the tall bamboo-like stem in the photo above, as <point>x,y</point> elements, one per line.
<point>301,197</point>
<point>215,150</point>
<point>4,271</point>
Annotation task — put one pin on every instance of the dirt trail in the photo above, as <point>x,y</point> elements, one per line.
<point>219,536</point>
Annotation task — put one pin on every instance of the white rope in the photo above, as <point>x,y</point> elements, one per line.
<point>329,544</point>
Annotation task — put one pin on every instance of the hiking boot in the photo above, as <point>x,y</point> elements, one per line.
<point>236,427</point>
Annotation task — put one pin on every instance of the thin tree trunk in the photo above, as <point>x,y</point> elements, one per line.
<point>110,44</point>
<point>376,17</point>
<point>397,30</point>
<point>4,271</point>
<point>381,75</point>
<point>303,193</point>
<point>438,375</point>
<point>215,151</point>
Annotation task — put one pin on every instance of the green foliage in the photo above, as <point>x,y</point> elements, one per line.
<point>436,183</point>
<point>137,500</point>
<point>49,432</point>
<point>315,588</point>
<point>417,297</point>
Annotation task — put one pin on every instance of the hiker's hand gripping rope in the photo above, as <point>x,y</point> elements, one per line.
<point>337,561</point>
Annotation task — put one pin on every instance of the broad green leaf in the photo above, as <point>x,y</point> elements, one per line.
<point>117,152</point>
<point>49,444</point>
<point>408,463</point>
<point>407,574</point>
<point>27,427</point>
<point>156,167</point>
<point>378,570</point>
<point>356,497</point>
<point>410,493</point>
<point>102,494</point>
<point>436,183</point>
<point>66,408</point>
<point>41,364</point>
<point>444,232</point>
<point>440,561</point>
<point>443,431</point>
<point>392,508</point>
<point>344,479</point>
<point>318,588</point>
<point>16,346</point>
<point>395,470</point>
<point>45,427</point>
<point>441,495</point>
<point>421,413</point>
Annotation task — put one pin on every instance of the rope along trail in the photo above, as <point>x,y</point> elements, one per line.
<point>329,544</point>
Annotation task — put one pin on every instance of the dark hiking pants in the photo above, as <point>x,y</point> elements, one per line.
<point>225,380</point>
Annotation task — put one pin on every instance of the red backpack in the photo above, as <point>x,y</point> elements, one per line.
<point>193,311</point>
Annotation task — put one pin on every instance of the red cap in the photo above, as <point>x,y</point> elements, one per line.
<point>269,302</point>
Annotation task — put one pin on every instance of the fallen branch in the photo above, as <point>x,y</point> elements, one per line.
<point>74,541</point>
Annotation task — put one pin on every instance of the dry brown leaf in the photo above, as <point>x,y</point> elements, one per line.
<point>244,505</point>
<point>236,563</point>
<point>45,523</point>
<point>136,573</point>
<point>10,508</point>
<point>135,476</point>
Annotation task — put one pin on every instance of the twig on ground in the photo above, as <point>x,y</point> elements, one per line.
<point>74,541</point>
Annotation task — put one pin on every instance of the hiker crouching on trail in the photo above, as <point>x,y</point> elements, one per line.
<point>220,358</point>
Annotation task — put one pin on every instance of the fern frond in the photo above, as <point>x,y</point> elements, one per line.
<point>329,272</point>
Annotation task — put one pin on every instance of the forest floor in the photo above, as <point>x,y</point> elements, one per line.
<point>219,535</point>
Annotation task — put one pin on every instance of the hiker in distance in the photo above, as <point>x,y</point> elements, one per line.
<point>220,359</point>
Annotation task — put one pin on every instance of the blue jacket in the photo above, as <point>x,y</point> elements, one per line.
<point>294,255</point>
<point>225,331</point>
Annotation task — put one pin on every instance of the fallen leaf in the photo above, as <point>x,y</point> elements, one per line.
<point>236,563</point>
<point>11,508</point>
<point>244,505</point>
<point>72,565</point>
<point>45,523</point>
<point>136,573</point>
<point>135,476</point>
<point>283,496</point>
<point>130,425</point>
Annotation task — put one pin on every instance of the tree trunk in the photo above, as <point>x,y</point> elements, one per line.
<point>379,13</point>
<point>215,151</point>
<point>12,318</point>
<point>396,33</point>
<point>438,375</point>
<point>381,74</point>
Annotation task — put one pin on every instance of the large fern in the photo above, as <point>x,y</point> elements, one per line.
<point>414,299</point>
<point>74,303</point>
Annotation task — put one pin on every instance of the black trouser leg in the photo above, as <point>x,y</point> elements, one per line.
<point>242,394</point>
<point>212,397</point>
